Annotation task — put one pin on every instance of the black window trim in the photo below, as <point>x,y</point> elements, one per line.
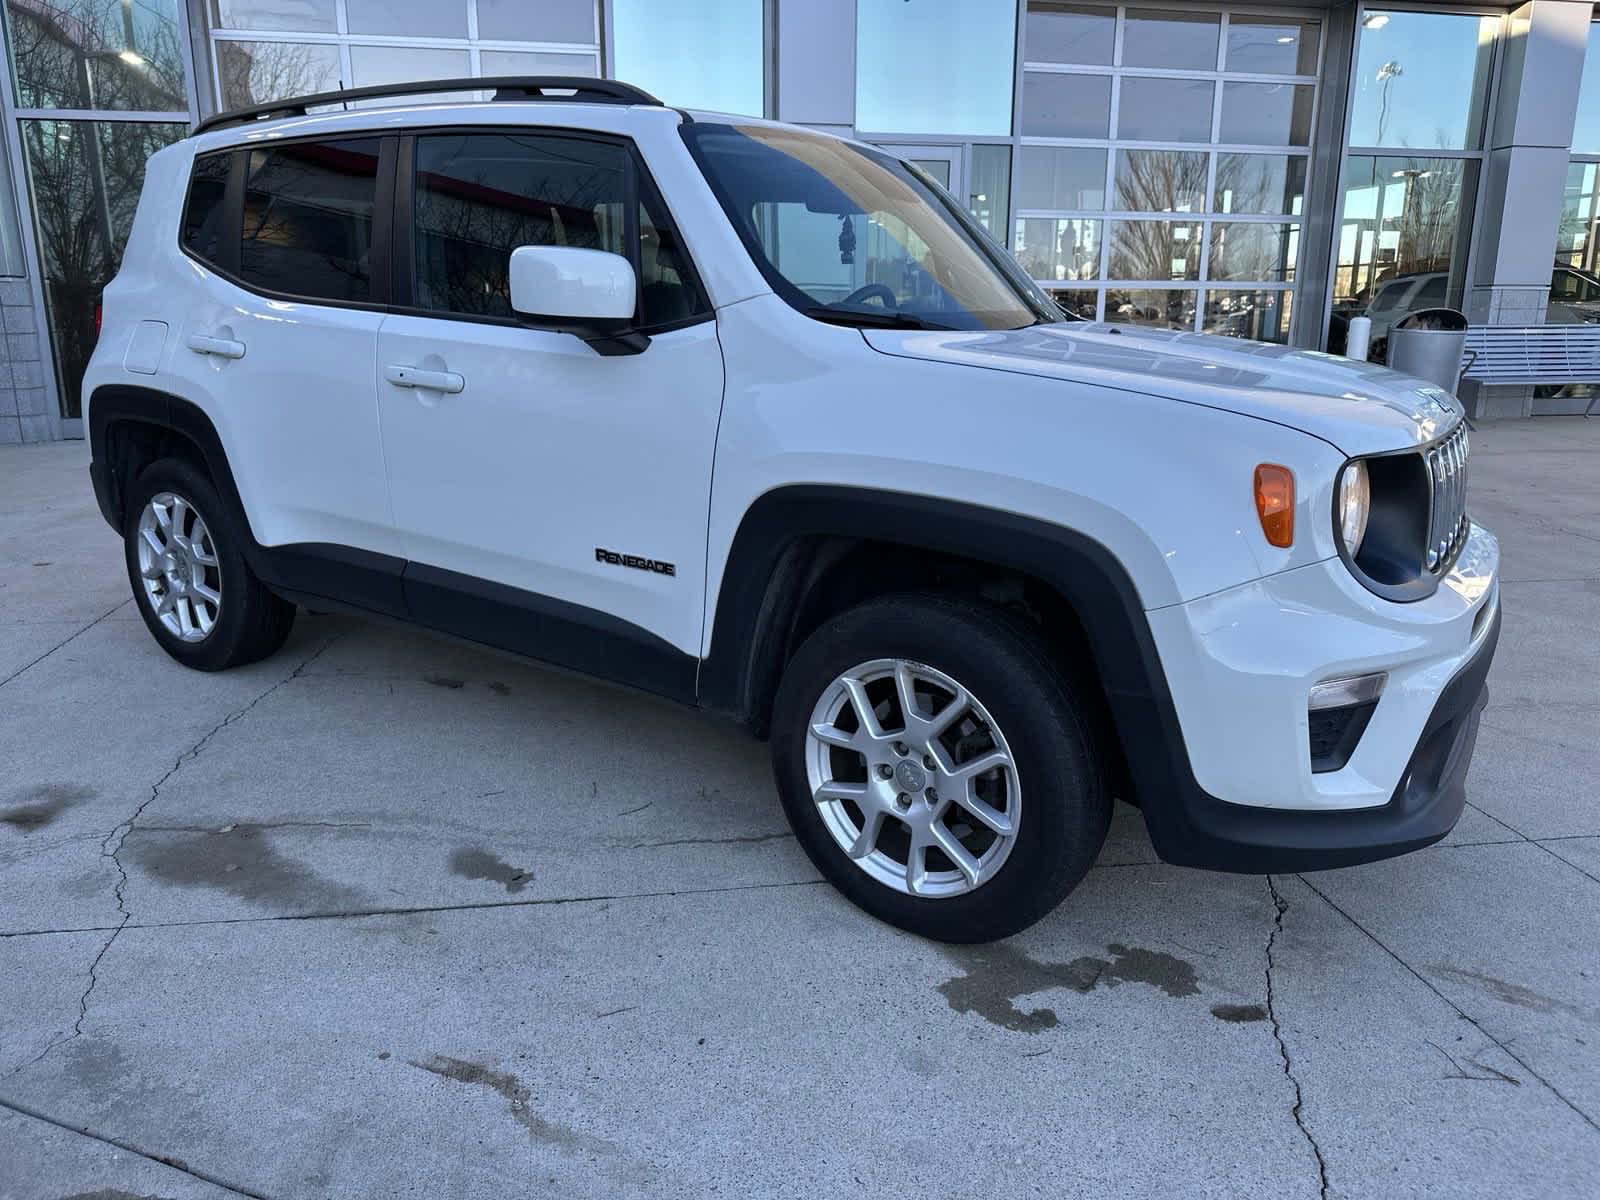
<point>638,185</point>
<point>382,213</point>
<point>393,215</point>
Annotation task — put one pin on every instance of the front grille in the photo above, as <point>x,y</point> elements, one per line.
<point>1446,461</point>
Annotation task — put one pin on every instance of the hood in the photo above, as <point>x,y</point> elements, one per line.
<point>1358,407</point>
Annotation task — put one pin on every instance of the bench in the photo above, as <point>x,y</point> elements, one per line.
<point>1541,355</point>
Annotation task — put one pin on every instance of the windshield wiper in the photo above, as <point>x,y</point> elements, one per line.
<point>875,320</point>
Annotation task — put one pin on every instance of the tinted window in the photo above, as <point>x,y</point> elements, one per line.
<point>480,196</point>
<point>205,213</point>
<point>308,219</point>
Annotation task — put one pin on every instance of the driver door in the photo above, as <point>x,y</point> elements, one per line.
<point>552,499</point>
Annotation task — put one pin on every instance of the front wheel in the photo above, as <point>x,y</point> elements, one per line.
<point>938,768</point>
<point>186,563</point>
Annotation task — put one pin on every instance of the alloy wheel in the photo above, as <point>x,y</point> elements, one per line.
<point>179,568</point>
<point>913,778</point>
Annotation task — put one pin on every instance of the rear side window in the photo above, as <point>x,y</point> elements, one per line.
<point>308,218</point>
<point>480,196</point>
<point>205,215</point>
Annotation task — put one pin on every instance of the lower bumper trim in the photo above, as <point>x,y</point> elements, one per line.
<point>1203,831</point>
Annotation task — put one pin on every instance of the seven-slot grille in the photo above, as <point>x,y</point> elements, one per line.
<point>1446,462</point>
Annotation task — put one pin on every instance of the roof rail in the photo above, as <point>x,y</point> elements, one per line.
<point>505,87</point>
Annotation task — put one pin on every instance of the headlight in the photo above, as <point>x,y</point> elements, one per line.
<point>1355,504</point>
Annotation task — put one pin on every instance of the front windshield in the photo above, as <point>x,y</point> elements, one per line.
<point>850,235</point>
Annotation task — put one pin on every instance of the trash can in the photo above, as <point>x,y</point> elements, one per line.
<point>1429,344</point>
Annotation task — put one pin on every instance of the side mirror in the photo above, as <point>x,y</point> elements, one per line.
<point>591,293</point>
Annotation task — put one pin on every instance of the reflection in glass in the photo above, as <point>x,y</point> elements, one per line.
<point>1069,33</point>
<point>1151,306</point>
<point>1059,177</point>
<point>256,72</point>
<point>308,216</point>
<point>702,55</point>
<point>1155,38</point>
<point>408,64</point>
<point>84,177</point>
<point>989,195</point>
<point>1244,251</point>
<point>1165,110</point>
<point>1273,45</point>
<point>1160,181</point>
<point>1066,105</point>
<point>936,66</point>
<point>1078,302</point>
<point>12,261</point>
<point>1262,316</point>
<point>301,16</point>
<point>1155,250</point>
<point>546,21</point>
<point>1578,239</point>
<point>537,62</point>
<point>1267,114</point>
<point>1402,240</point>
<point>408,18</point>
<point>100,54</point>
<point>1586,133</point>
<point>1421,80</point>
<point>1058,248</point>
<point>1261,183</point>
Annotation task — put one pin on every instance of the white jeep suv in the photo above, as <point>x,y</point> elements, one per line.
<point>760,420</point>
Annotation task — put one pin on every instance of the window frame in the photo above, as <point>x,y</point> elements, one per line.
<point>393,224</point>
<point>638,188</point>
<point>233,204</point>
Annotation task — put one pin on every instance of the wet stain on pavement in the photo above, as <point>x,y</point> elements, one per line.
<point>471,863</point>
<point>43,804</point>
<point>239,860</point>
<point>1511,993</point>
<point>500,689</point>
<point>114,1194</point>
<point>442,681</point>
<point>996,975</point>
<point>519,1100</point>
<point>1238,1014</point>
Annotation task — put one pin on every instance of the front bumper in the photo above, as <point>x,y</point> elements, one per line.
<point>1239,666</point>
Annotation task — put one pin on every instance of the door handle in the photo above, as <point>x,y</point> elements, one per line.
<point>406,376</point>
<point>203,343</point>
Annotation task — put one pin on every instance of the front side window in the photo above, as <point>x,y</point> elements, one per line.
<point>479,196</point>
<point>308,215</point>
<point>849,235</point>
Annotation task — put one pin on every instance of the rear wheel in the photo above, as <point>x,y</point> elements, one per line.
<point>194,589</point>
<point>937,768</point>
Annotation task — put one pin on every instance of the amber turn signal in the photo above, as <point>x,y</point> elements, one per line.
<point>1275,503</point>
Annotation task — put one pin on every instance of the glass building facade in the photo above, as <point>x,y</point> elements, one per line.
<point>1254,170</point>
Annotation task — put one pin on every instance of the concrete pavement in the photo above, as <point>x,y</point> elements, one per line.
<point>386,916</point>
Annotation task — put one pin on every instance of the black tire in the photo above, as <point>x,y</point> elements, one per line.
<point>1059,761</point>
<point>251,623</point>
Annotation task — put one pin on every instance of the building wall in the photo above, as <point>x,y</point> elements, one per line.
<point>90,76</point>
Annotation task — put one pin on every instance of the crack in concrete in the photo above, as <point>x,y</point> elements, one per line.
<point>745,839</point>
<point>111,847</point>
<point>1505,1046</point>
<point>423,909</point>
<point>165,1160</point>
<point>1281,906</point>
<point>30,665</point>
<point>1533,841</point>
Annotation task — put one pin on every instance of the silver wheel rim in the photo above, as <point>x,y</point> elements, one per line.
<point>912,778</point>
<point>178,567</point>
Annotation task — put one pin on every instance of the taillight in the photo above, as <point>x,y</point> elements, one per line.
<point>99,312</point>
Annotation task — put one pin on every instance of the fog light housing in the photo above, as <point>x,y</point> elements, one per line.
<point>1353,689</point>
<point>1338,711</point>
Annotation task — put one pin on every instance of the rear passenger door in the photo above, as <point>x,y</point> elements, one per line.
<point>552,499</point>
<point>291,243</point>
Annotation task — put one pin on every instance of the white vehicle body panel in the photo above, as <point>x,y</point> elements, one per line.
<point>550,452</point>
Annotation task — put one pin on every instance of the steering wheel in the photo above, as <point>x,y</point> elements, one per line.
<point>868,290</point>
